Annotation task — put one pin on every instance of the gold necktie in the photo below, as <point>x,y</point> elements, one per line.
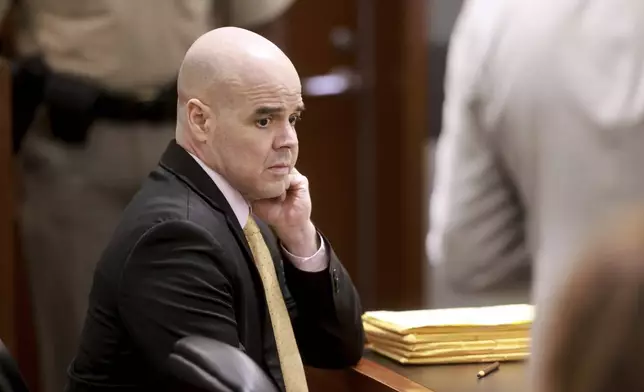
<point>289,355</point>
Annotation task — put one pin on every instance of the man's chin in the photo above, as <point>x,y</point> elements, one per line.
<point>271,193</point>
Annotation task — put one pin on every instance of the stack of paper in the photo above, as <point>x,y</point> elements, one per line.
<point>460,335</point>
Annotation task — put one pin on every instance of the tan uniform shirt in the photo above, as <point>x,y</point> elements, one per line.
<point>133,46</point>
<point>4,5</point>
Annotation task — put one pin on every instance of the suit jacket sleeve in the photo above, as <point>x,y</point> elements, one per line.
<point>172,276</point>
<point>327,319</point>
<point>476,215</point>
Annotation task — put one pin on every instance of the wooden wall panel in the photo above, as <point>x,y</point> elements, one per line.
<point>7,257</point>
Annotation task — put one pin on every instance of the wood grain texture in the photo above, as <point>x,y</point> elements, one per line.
<point>401,60</point>
<point>367,375</point>
<point>7,259</point>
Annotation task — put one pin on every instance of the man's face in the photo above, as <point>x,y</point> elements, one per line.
<point>254,144</point>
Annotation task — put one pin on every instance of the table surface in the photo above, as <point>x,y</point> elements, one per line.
<point>511,376</point>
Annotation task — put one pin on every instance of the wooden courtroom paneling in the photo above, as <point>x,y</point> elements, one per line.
<point>362,149</point>
<point>7,260</point>
<point>401,96</point>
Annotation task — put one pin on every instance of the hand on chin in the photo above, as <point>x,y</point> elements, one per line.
<point>290,216</point>
<point>291,208</point>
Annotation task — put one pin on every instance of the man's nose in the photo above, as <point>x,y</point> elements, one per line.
<point>287,137</point>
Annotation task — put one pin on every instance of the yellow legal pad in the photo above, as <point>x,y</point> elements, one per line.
<point>459,335</point>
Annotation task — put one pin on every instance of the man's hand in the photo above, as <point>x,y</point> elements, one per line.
<point>290,216</point>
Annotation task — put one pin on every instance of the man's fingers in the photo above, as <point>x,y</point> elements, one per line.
<point>297,181</point>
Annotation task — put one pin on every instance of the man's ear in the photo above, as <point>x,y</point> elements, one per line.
<point>200,119</point>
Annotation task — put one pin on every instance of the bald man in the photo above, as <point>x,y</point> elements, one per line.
<point>94,97</point>
<point>219,241</point>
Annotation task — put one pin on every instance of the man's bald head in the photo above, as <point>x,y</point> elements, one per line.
<point>224,58</point>
<point>239,99</point>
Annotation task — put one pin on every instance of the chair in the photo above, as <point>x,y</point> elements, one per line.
<point>207,365</point>
<point>10,377</point>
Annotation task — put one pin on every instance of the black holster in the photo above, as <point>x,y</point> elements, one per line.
<point>74,103</point>
<point>28,83</point>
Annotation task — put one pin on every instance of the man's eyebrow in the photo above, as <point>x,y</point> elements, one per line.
<point>267,110</point>
<point>263,110</point>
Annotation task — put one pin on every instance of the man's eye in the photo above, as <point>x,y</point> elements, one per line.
<point>263,122</point>
<point>294,118</point>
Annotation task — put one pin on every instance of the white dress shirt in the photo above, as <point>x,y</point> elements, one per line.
<point>542,139</point>
<point>315,263</point>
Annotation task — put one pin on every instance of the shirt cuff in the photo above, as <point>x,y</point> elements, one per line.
<point>316,263</point>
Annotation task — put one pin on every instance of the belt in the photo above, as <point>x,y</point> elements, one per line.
<point>122,108</point>
<point>74,103</point>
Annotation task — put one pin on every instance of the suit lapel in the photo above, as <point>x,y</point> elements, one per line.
<point>177,160</point>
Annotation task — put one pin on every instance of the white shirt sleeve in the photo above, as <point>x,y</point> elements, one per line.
<point>316,263</point>
<point>476,228</point>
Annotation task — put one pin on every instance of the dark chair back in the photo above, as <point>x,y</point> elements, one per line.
<point>208,365</point>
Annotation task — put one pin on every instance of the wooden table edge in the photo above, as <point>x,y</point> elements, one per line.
<point>388,377</point>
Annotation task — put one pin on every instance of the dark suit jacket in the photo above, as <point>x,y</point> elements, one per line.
<point>179,265</point>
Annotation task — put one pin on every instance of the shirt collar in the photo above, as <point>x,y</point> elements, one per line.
<point>239,205</point>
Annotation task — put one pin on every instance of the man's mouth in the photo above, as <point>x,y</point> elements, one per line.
<point>281,169</point>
